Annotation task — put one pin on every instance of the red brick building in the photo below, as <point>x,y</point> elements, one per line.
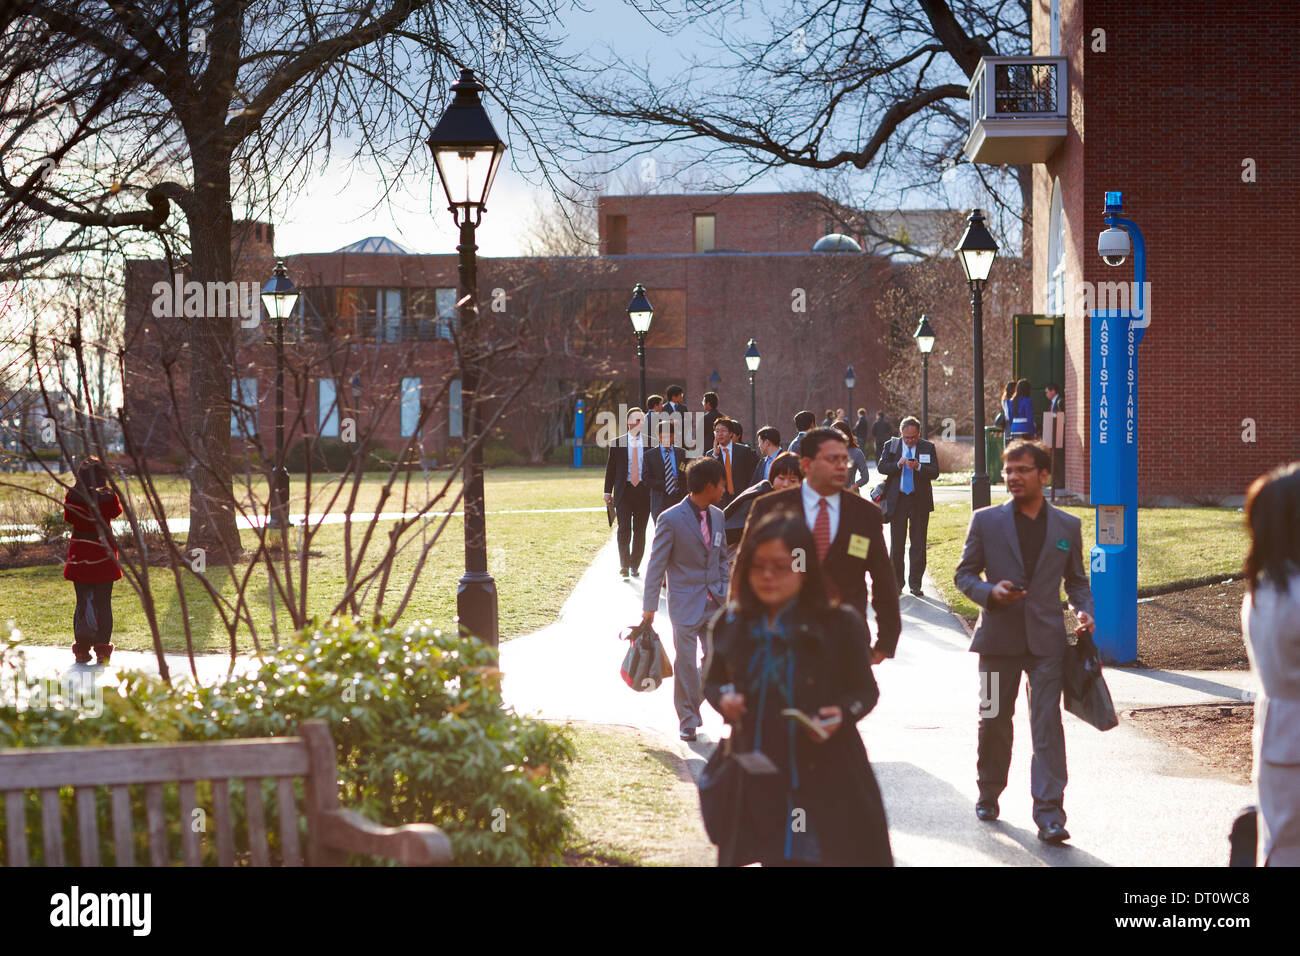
<point>1204,149</point>
<point>372,337</point>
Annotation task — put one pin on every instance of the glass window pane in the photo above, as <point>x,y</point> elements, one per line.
<point>446,304</point>
<point>328,408</point>
<point>391,303</point>
<point>410,406</point>
<point>454,429</point>
<point>243,407</point>
<point>704,229</point>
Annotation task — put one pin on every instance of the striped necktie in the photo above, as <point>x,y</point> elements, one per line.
<point>822,529</point>
<point>670,473</point>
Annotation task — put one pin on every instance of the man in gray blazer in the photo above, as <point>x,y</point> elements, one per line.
<point>690,546</point>
<point>1025,548</point>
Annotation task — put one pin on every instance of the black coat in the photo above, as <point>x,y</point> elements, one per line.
<point>743,462</point>
<point>925,472</point>
<point>837,787</point>
<point>737,511</point>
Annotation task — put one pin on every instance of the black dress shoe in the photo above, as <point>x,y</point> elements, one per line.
<point>688,736</point>
<point>1053,833</point>
<point>636,572</point>
<point>623,571</point>
<point>918,592</point>
<point>988,812</point>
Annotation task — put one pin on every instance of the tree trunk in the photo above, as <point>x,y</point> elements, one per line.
<point>212,362</point>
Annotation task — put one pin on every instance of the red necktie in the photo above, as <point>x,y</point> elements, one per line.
<point>822,529</point>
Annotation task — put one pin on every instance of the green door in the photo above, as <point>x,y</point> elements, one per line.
<point>1038,354</point>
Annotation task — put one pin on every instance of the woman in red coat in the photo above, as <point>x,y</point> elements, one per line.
<point>92,568</point>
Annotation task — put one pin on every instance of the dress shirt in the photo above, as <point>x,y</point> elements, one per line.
<point>810,499</point>
<point>767,465</point>
<point>707,515</point>
<point>907,478</point>
<point>635,446</point>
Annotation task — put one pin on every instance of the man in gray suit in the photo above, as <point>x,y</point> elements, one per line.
<point>690,546</point>
<point>1025,548</point>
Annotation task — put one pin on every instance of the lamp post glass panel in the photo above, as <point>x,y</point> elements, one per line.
<point>752,359</point>
<point>850,379</point>
<point>642,314</point>
<point>977,251</point>
<point>924,336</point>
<point>467,152</point>
<point>279,296</point>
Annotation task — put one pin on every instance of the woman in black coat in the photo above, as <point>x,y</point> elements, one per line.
<point>779,644</point>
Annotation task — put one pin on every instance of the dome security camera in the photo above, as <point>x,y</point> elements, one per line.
<point>1113,246</point>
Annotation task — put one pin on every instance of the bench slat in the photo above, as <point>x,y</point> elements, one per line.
<point>39,768</point>
<point>189,839</point>
<point>288,822</point>
<point>52,827</point>
<point>87,826</point>
<point>153,808</point>
<point>16,827</point>
<point>256,813</point>
<point>124,847</point>
<point>225,824</point>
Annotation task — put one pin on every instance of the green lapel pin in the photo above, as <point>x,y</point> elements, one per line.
<point>1062,544</point>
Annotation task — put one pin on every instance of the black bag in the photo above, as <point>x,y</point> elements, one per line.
<point>1000,420</point>
<point>740,801</point>
<point>646,664</point>
<point>1085,691</point>
<point>877,494</point>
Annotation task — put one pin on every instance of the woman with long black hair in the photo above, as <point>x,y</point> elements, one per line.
<point>1270,623</point>
<point>91,567</point>
<point>789,671</point>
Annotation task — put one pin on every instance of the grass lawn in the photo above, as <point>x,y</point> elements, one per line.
<point>633,801</point>
<point>535,559</point>
<point>1174,544</point>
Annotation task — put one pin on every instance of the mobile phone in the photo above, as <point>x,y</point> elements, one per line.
<point>1015,587</point>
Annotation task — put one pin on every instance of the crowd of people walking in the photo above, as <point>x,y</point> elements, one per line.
<point>769,559</point>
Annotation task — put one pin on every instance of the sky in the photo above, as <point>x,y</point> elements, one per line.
<point>336,209</point>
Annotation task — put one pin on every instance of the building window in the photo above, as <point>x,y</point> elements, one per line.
<point>243,407</point>
<point>616,233</point>
<point>445,302</point>
<point>328,408</point>
<point>705,224</point>
<point>1056,254</point>
<point>410,406</point>
<point>454,411</point>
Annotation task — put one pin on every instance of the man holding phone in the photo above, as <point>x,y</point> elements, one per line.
<point>1025,549</point>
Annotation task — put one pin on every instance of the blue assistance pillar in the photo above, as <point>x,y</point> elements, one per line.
<point>578,431</point>
<point>1113,484</point>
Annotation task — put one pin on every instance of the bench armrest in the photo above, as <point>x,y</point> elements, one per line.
<point>416,844</point>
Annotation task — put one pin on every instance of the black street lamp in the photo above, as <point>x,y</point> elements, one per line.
<point>977,251</point>
<point>752,359</point>
<point>279,295</point>
<point>467,152</point>
<point>850,379</point>
<point>924,336</point>
<point>642,314</point>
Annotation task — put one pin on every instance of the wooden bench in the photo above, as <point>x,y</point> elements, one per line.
<point>332,831</point>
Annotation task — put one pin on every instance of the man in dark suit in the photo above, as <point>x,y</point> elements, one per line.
<point>738,461</point>
<point>676,403</point>
<point>862,430</point>
<point>711,413</point>
<point>909,464</point>
<point>803,423</point>
<point>1053,397</point>
<point>848,531</point>
<point>881,432</point>
<point>627,490</point>
<point>769,446</point>
<point>665,467</point>
<point>1025,550</point>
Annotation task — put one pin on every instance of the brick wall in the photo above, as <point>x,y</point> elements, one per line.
<point>1174,105</point>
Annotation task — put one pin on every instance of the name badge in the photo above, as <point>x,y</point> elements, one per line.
<point>717,539</point>
<point>858,545</point>
<point>925,459</point>
<point>1062,544</point>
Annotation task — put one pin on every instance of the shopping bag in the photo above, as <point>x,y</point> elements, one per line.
<point>646,664</point>
<point>1085,692</point>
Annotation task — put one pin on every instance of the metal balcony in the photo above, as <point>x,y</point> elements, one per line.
<point>1019,109</point>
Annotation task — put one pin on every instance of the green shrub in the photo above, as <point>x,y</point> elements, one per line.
<point>328,454</point>
<point>419,728</point>
<point>380,459</point>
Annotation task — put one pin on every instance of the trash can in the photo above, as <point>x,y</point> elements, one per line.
<point>993,445</point>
